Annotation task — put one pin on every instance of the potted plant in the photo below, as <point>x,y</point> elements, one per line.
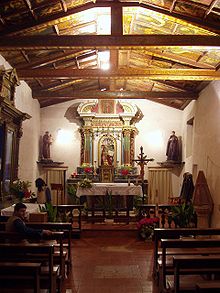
<point>146,227</point>
<point>71,191</point>
<point>184,215</point>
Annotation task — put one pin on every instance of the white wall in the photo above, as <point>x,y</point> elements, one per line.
<point>67,151</point>
<point>29,147</point>
<point>206,141</point>
<point>154,131</point>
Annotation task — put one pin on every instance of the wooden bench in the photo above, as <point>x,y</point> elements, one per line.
<point>66,213</point>
<point>194,265</point>
<point>12,252</point>
<point>17,275</point>
<point>212,286</point>
<point>169,233</point>
<point>64,227</point>
<point>12,237</point>
<point>174,247</point>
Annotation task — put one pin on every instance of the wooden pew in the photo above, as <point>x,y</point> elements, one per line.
<point>212,286</point>
<point>16,275</point>
<point>13,252</point>
<point>168,233</point>
<point>12,237</point>
<point>194,265</point>
<point>64,227</point>
<point>171,247</point>
<point>64,209</point>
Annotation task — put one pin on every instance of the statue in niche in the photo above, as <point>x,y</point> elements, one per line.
<point>107,152</point>
<point>172,151</point>
<point>47,141</point>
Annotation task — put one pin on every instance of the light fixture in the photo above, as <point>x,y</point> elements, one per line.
<point>104,60</point>
<point>64,136</point>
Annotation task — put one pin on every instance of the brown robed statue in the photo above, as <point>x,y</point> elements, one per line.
<point>142,161</point>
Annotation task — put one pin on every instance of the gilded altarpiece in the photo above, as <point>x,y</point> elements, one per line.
<point>10,130</point>
<point>108,133</point>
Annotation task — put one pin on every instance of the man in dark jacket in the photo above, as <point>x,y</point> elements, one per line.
<point>16,223</point>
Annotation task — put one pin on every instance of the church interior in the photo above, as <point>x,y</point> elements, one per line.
<point>114,105</point>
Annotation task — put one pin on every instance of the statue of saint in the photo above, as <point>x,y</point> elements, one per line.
<point>104,153</point>
<point>47,141</point>
<point>173,148</point>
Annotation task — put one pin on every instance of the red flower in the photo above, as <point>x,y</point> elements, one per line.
<point>147,222</point>
<point>88,170</point>
<point>124,172</point>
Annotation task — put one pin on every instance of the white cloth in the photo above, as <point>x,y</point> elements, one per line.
<point>114,188</point>
<point>31,208</point>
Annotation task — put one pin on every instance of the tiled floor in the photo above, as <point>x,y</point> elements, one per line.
<point>111,262</point>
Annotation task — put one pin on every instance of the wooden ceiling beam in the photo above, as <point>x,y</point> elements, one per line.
<point>178,58</point>
<point>125,73</point>
<point>211,6</point>
<point>115,95</point>
<point>56,16</point>
<point>58,57</point>
<point>37,42</point>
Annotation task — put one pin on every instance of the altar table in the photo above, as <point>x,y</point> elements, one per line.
<point>114,188</point>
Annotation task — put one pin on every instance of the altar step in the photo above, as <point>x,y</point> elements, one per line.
<point>109,225</point>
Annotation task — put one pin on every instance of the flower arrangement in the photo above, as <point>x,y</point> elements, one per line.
<point>125,170</point>
<point>146,227</point>
<point>88,170</point>
<point>21,189</point>
<point>85,183</point>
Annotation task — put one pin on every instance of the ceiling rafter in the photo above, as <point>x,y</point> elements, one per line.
<point>128,73</point>
<point>211,6</point>
<point>107,42</point>
<point>64,6</point>
<point>54,17</point>
<point>58,57</point>
<point>178,58</point>
<point>116,95</point>
<point>29,7</point>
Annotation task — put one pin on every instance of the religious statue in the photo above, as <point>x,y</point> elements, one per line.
<point>107,155</point>
<point>172,152</point>
<point>47,141</point>
<point>187,188</point>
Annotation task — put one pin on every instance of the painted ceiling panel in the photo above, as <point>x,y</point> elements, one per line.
<point>86,18</point>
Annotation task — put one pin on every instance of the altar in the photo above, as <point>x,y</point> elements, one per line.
<point>113,188</point>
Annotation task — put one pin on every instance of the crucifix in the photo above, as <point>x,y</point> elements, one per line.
<point>142,161</point>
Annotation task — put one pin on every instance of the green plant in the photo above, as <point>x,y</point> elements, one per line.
<point>71,191</point>
<point>21,189</point>
<point>183,215</point>
<point>51,211</point>
<point>85,183</point>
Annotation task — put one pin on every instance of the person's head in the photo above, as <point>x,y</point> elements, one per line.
<point>20,210</point>
<point>40,183</point>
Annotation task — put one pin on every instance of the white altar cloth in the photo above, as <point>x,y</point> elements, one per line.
<point>31,208</point>
<point>114,188</point>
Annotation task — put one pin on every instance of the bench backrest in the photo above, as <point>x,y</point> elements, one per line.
<point>185,243</point>
<point>168,233</point>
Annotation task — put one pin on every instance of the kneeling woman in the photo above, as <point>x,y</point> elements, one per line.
<point>43,191</point>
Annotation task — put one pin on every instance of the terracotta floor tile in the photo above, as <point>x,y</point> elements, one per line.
<point>111,262</point>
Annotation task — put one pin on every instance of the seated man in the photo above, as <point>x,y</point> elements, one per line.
<point>16,223</point>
